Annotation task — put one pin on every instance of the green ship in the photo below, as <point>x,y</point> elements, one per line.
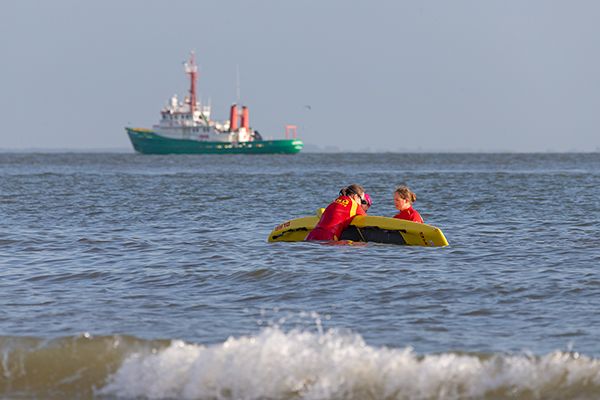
<point>186,128</point>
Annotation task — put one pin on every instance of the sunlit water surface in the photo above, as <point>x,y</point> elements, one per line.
<point>156,272</point>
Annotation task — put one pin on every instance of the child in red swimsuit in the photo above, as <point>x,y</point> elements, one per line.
<point>403,200</point>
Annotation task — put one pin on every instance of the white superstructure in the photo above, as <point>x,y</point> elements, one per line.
<point>189,119</point>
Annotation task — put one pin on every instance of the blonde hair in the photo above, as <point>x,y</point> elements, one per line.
<point>407,194</point>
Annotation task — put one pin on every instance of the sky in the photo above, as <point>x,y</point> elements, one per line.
<point>390,75</point>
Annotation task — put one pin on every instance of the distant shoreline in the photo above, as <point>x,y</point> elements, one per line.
<point>311,150</point>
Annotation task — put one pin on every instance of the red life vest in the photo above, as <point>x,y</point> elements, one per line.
<point>410,214</point>
<point>336,217</point>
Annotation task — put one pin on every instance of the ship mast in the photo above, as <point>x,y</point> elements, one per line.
<point>192,69</point>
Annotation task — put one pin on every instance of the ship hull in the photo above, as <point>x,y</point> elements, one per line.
<point>148,142</point>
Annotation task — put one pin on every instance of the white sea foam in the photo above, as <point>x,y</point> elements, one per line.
<point>305,365</point>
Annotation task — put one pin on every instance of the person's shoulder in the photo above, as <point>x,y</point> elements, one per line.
<point>416,216</point>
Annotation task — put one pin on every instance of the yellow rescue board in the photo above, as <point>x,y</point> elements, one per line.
<point>366,228</point>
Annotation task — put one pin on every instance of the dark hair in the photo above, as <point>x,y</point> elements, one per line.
<point>352,189</point>
<point>407,194</point>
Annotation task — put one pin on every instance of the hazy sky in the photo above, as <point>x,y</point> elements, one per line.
<point>378,75</point>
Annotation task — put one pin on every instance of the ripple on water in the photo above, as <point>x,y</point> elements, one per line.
<point>176,247</point>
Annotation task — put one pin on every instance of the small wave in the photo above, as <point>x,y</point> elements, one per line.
<point>305,365</point>
<point>282,365</point>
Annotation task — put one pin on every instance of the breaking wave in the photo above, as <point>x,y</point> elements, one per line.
<point>275,364</point>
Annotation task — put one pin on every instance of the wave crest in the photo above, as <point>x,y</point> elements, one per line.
<point>305,365</point>
<point>275,364</point>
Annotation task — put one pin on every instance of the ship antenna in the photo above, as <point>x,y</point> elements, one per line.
<point>192,69</point>
<point>237,83</point>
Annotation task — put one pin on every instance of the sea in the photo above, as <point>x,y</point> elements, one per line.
<point>128,276</point>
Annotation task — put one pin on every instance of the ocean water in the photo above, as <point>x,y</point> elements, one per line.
<point>125,276</point>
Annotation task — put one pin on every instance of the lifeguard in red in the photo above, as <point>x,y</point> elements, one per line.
<point>336,217</point>
<point>409,214</point>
